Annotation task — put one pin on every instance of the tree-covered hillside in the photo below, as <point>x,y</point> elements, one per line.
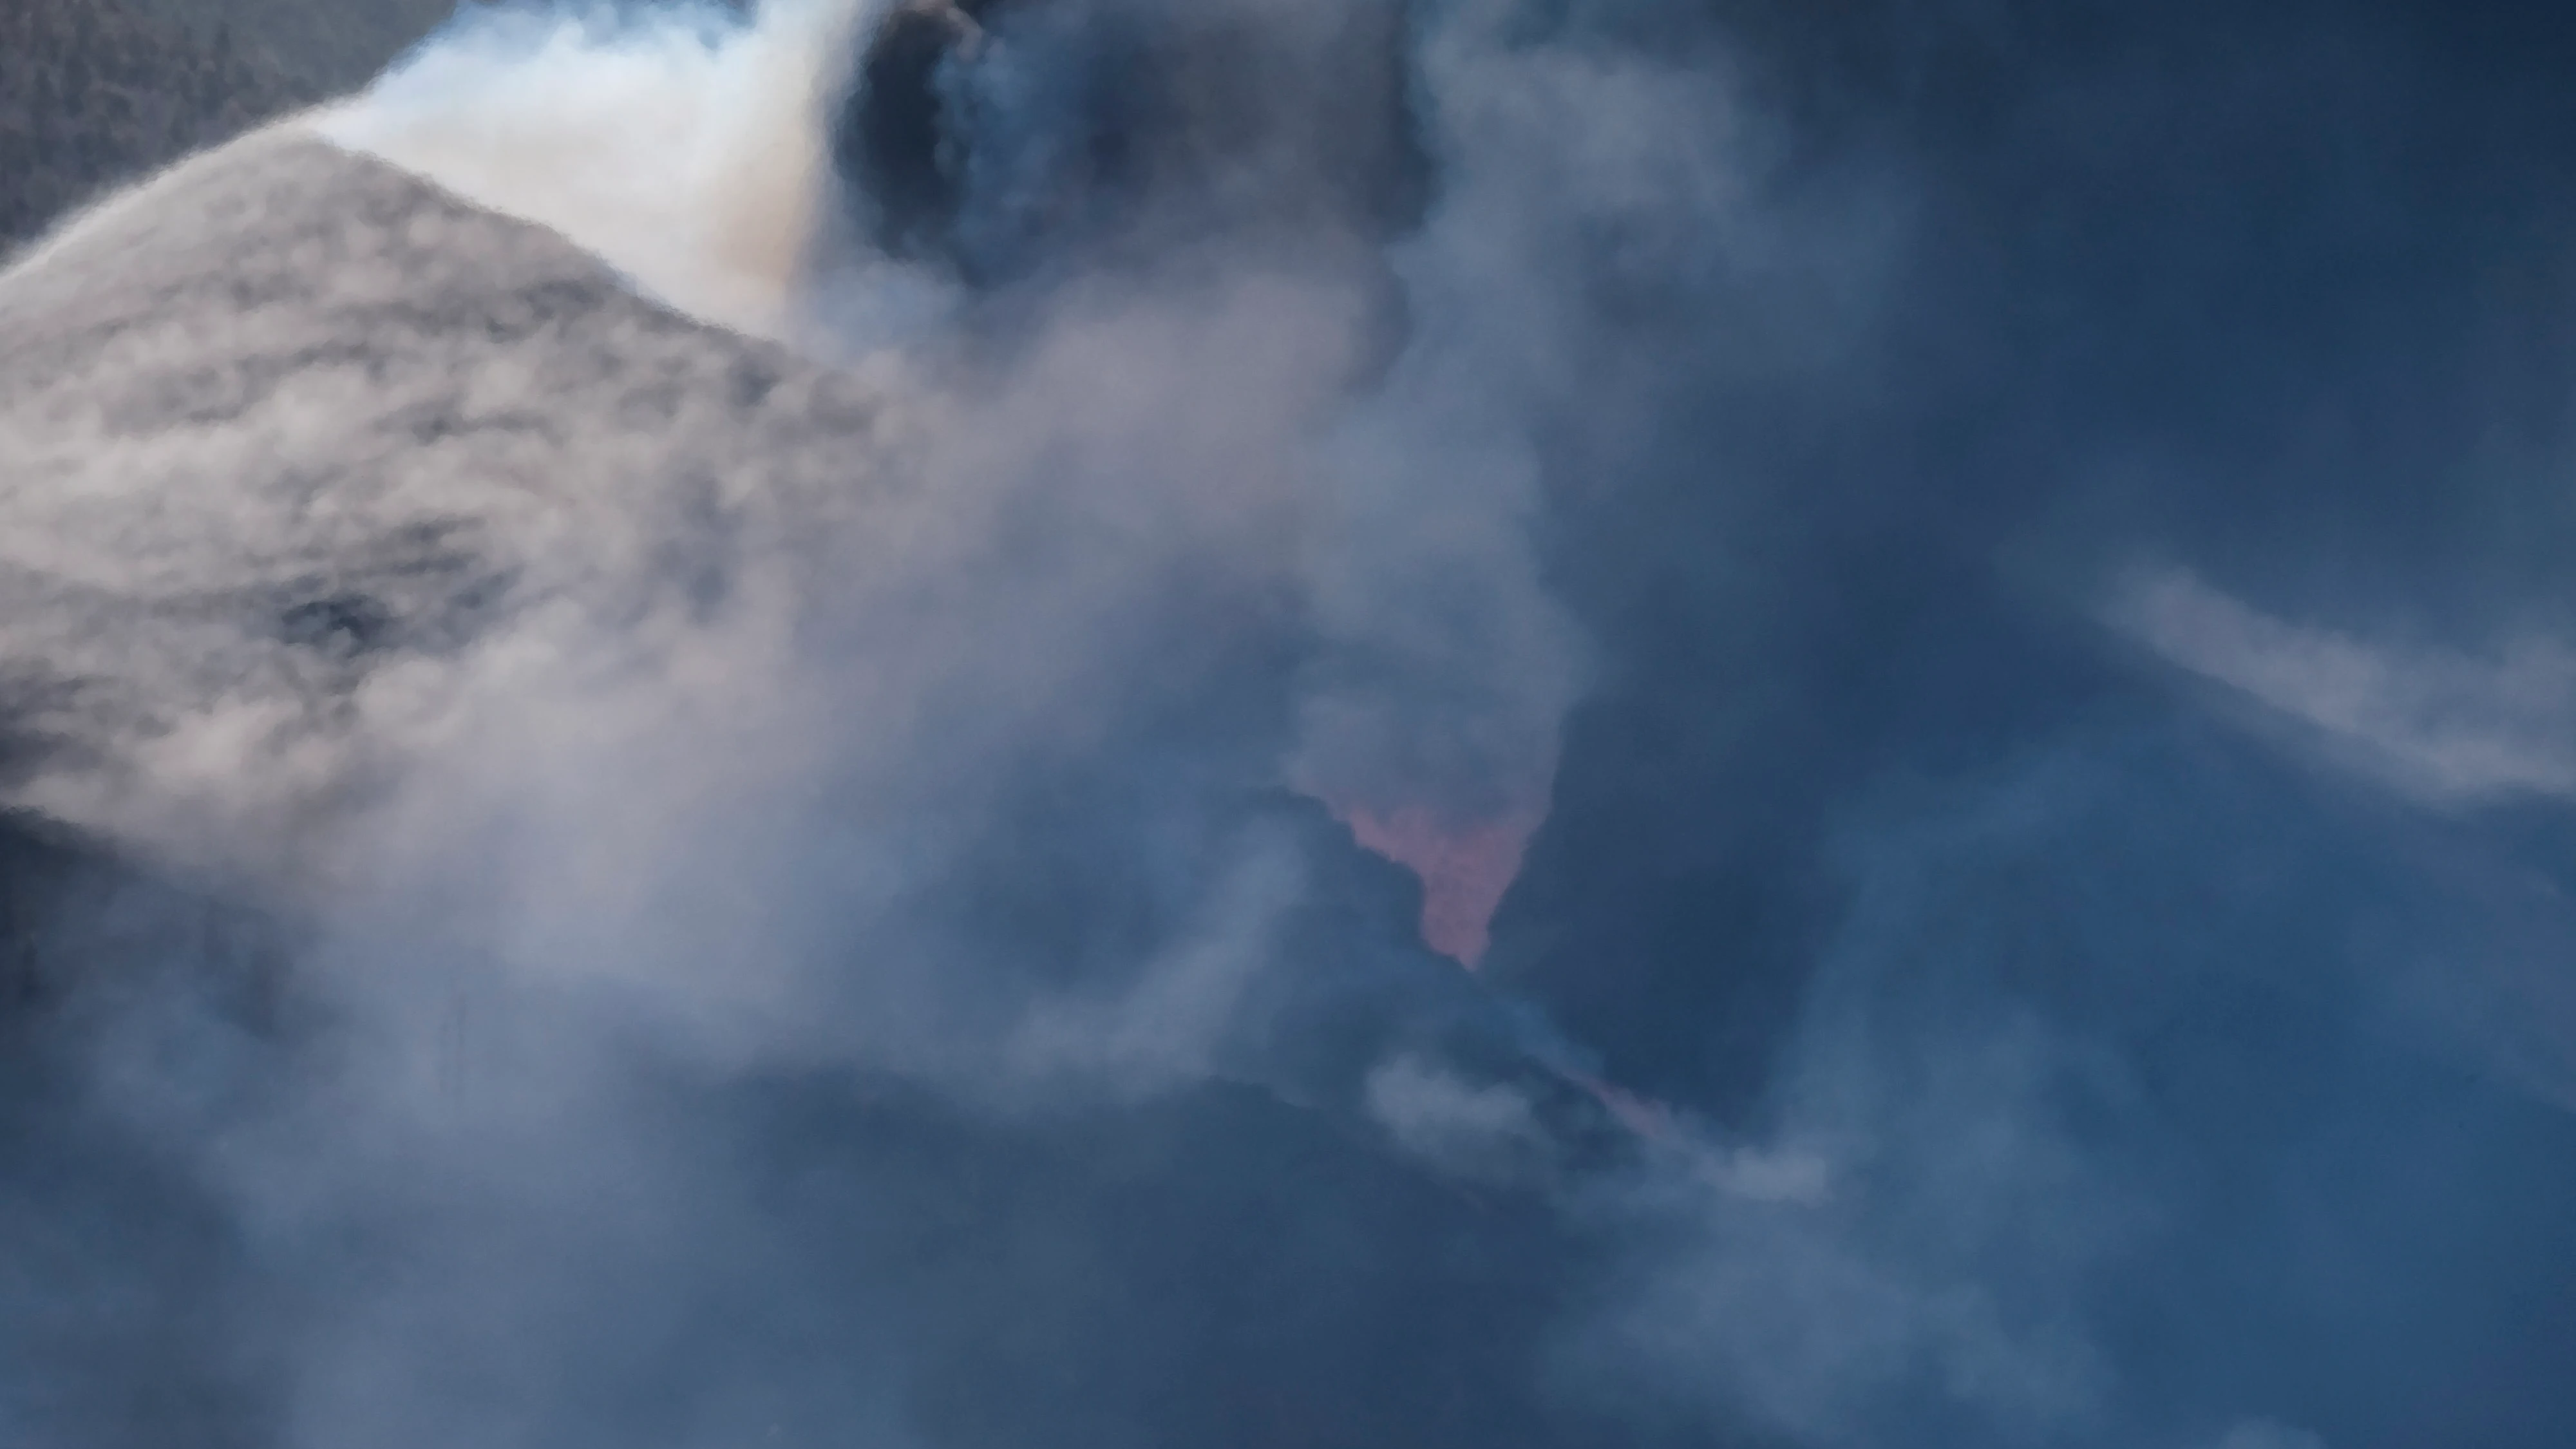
<point>96,92</point>
<point>93,92</point>
<point>329,46</point>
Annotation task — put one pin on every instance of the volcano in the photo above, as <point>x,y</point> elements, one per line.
<point>792,725</point>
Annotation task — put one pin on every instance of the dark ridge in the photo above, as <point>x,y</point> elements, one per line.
<point>94,950</point>
<point>81,927</point>
<point>1137,1276</point>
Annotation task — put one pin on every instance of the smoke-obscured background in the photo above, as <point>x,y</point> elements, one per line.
<point>1288,722</point>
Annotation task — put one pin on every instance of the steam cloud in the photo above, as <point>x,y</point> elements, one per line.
<point>786,727</point>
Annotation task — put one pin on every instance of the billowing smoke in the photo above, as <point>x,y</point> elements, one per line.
<point>682,146</point>
<point>786,725</point>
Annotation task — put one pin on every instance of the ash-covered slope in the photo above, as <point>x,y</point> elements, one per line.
<point>288,420</point>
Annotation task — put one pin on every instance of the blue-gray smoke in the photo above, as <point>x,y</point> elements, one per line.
<point>687,695</point>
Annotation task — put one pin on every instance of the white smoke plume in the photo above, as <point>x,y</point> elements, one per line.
<point>686,147</point>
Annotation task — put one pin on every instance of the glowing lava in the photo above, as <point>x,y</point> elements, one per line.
<point>1464,869</point>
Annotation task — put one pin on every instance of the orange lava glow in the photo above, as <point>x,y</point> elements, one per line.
<point>1464,869</point>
